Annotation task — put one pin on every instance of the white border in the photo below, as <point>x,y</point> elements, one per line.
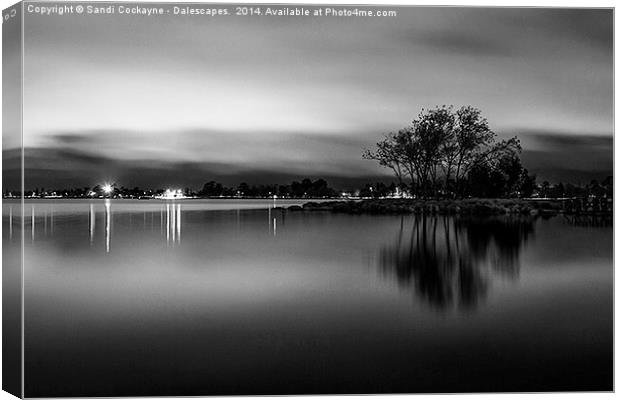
<point>479,3</point>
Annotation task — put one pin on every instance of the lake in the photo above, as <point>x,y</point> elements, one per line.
<point>208,297</point>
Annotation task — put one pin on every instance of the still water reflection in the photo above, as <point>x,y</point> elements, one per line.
<point>168,216</point>
<point>208,297</point>
<point>448,261</point>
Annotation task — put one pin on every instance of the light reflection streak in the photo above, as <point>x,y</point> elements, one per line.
<point>179,223</point>
<point>167,223</point>
<point>91,224</point>
<point>173,223</point>
<point>32,219</point>
<point>107,225</point>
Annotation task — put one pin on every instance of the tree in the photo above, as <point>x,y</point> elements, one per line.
<point>243,189</point>
<point>544,189</point>
<point>387,153</point>
<point>433,135</point>
<point>498,173</point>
<point>528,183</point>
<point>448,144</point>
<point>473,138</point>
<point>212,189</point>
<point>608,185</point>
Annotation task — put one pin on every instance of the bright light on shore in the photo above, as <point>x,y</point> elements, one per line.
<point>107,188</point>
<point>171,194</point>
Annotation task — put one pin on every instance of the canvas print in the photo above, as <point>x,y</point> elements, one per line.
<point>210,199</point>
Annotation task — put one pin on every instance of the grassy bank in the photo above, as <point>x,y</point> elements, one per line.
<point>461,207</point>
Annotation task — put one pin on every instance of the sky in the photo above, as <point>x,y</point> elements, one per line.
<point>173,100</point>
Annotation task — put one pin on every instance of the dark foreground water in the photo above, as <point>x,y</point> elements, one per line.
<point>196,298</point>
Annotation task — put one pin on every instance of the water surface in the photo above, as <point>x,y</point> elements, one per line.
<point>222,297</point>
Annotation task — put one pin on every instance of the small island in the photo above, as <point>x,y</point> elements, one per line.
<point>473,206</point>
<point>450,162</point>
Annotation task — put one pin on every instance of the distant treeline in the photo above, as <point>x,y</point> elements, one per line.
<point>308,188</point>
<point>604,188</point>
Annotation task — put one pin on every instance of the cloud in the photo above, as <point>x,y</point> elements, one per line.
<point>295,150</point>
<point>189,158</point>
<point>568,142</point>
<point>57,168</point>
<point>572,158</point>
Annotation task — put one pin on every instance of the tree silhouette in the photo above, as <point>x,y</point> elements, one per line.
<point>456,146</point>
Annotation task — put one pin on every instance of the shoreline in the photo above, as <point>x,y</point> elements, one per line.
<point>458,207</point>
<point>391,206</point>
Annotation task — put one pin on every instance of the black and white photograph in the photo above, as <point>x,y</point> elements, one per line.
<point>222,199</point>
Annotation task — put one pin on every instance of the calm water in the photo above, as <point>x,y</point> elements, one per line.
<point>208,297</point>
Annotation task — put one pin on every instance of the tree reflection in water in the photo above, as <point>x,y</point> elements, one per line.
<point>449,262</point>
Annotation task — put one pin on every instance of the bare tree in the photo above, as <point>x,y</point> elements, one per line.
<point>387,153</point>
